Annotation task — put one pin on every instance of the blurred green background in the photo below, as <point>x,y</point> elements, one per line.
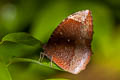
<point>40,17</point>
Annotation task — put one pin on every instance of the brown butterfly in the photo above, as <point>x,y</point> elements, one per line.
<point>70,43</point>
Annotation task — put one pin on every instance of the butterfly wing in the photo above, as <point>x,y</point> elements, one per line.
<point>70,43</point>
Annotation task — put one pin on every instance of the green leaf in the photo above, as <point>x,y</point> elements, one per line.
<point>28,69</point>
<point>15,46</point>
<point>4,73</point>
<point>45,62</point>
<point>22,38</point>
<point>18,45</point>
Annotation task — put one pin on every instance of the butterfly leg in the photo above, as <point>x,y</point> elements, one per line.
<point>51,58</point>
<point>41,56</point>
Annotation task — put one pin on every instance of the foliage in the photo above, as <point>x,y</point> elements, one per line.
<point>25,25</point>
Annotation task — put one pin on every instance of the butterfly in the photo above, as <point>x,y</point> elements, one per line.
<point>70,43</point>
